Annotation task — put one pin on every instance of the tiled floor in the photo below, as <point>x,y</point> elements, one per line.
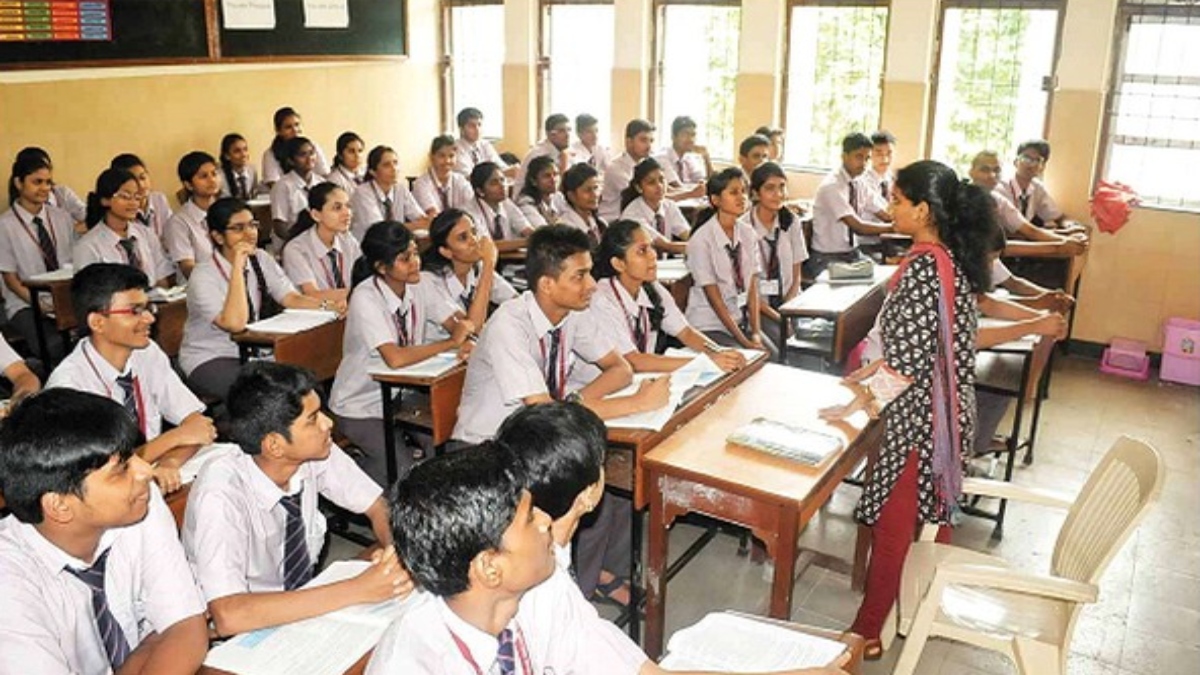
<point>1148,618</point>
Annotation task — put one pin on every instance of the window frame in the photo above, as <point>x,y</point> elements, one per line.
<point>446,60</point>
<point>544,63</point>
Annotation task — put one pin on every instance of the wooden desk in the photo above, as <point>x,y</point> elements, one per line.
<point>854,642</point>
<point>64,313</point>
<point>445,392</point>
<point>168,326</point>
<point>359,667</point>
<point>674,275</point>
<point>851,307</point>
<point>319,349</point>
<point>696,471</point>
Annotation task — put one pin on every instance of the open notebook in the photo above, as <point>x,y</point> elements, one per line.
<point>732,643</point>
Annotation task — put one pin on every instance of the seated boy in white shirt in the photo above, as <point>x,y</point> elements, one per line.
<point>252,531</point>
<point>473,148</point>
<point>1027,192</point>
<point>117,359</point>
<point>686,165</point>
<point>588,150</point>
<point>837,209</point>
<point>94,579</point>
<point>1034,240</point>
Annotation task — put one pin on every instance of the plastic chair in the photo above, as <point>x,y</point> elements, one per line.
<point>978,599</point>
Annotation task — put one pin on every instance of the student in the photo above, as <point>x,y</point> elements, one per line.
<point>776,136</point>
<point>186,238</point>
<point>95,580</point>
<point>685,165</point>
<point>348,169</point>
<point>473,148</point>
<point>35,238</point>
<point>441,187</point>
<point>237,285</point>
<point>21,379</point>
<point>320,252</point>
<point>540,200</point>
<point>723,258</point>
<point>116,358</point>
<point>639,140</point>
<point>473,538</point>
<point>878,174</point>
<point>780,239</point>
<point>275,158</point>
<point>1026,191</point>
<point>837,209</point>
<point>581,191</point>
<point>645,200</point>
<point>587,149</point>
<point>985,172</point>
<point>289,194</point>
<point>527,349</point>
<point>61,196</point>
<point>496,215</point>
<point>460,266</point>
<point>752,152</point>
<point>556,145</point>
<point>116,236</point>
<point>252,530</point>
<point>385,195</point>
<point>240,177</point>
<point>154,212</point>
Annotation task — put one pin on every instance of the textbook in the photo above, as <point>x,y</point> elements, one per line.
<point>732,643</point>
<point>430,367</point>
<point>291,321</point>
<point>784,440</point>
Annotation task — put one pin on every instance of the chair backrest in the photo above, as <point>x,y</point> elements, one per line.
<point>1112,502</point>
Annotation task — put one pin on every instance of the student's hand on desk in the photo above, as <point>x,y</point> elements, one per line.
<point>654,394</point>
<point>464,350</point>
<point>385,579</point>
<point>1052,325</point>
<point>728,359</point>
<point>166,474</point>
<point>462,330</point>
<point>1073,246</point>
<point>196,430</point>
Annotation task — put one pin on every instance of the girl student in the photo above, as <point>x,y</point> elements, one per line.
<point>460,266</point>
<point>722,256</point>
<point>581,190</point>
<point>441,187</point>
<point>780,239</point>
<point>320,252</point>
<point>289,195</point>
<point>114,233</point>
<point>239,176</point>
<point>385,195</point>
<point>386,327</point>
<point>61,196</point>
<point>35,238</point>
<point>349,169</point>
<point>186,238</point>
<point>645,201</point>
<point>274,159</point>
<point>540,199</point>
<point>153,211</point>
<point>496,215</point>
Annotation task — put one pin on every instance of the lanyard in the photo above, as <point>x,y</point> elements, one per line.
<point>772,250</point>
<point>327,268</point>
<point>496,230</point>
<point>639,331</point>
<point>137,393</point>
<point>522,652</point>
<point>384,200</point>
<point>441,189</point>
<point>36,242</point>
<point>403,336</point>
<point>561,366</point>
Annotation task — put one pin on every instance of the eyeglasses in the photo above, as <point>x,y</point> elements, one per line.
<point>136,311</point>
<point>1026,159</point>
<point>238,229</point>
<point>127,196</point>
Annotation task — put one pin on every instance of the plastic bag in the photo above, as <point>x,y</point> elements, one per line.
<point>1111,205</point>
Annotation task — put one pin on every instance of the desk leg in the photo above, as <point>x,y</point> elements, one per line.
<point>636,574</point>
<point>38,329</point>
<point>785,564</point>
<point>389,435</point>
<point>243,353</point>
<point>656,572</point>
<point>862,552</point>
<point>783,337</point>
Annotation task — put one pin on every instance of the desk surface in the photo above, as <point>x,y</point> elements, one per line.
<point>319,348</point>
<point>824,299</point>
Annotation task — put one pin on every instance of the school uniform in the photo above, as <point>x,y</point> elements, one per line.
<point>880,183</point>
<point>593,226</point>
<point>469,154</point>
<point>779,251</point>
<point>140,249</point>
<point>503,221</point>
<point>155,393</point>
<point>512,362</point>
<point>47,621</point>
<point>875,199</point>
<point>596,156</point>
<point>685,169</point>
<point>377,317</point>
<point>372,204</point>
<point>542,213</point>
<point>235,527</point>
<point>156,214</point>
<point>664,224</point>
<point>432,194</point>
<point>8,355</point>
<point>346,179</point>
<point>272,171</point>
<point>187,236</point>
<point>544,148</point>
<point>289,196</point>
<point>837,196</point>
<point>65,198</point>
<point>307,260</point>
<point>627,322</point>
<point>710,256</point>
<point>1008,215</point>
<point>25,252</point>
<point>244,185</point>
<point>616,179</point>
<point>1034,202</point>
<point>453,292</point>
<point>208,356</point>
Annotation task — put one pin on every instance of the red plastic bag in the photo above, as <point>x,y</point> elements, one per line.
<point>1111,205</point>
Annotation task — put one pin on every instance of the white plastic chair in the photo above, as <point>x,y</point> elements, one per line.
<point>978,599</point>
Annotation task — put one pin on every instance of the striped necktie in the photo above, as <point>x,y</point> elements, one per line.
<point>49,250</point>
<point>129,245</point>
<point>129,400</point>
<point>297,565</point>
<point>504,654</point>
<point>116,645</point>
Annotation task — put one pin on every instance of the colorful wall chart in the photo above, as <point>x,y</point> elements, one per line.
<point>55,20</point>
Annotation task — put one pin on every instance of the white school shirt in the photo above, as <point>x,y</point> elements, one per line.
<point>272,172</point>
<point>430,194</point>
<point>306,259</point>
<point>19,251</point>
<point>508,365</point>
<point>591,227</point>
<point>544,148</point>
<point>555,628</point>
<point>872,201</point>
<point>687,169</point>
<point>46,619</point>
<point>65,198</point>
<point>101,244</point>
<point>596,156</point>
<point>540,214</point>
<point>368,205</point>
<point>156,215</point>
<point>234,527</point>
<point>250,174</point>
<point>453,292</point>
<point>8,355</point>
<point>346,179</point>
<point>512,222</point>
<point>1037,200</point>
<point>709,263</point>
<point>1008,216</point>
<point>999,273</point>
<point>789,249</point>
<point>616,179</point>
<point>673,221</point>
<point>832,203</point>
<point>159,391</point>
<point>186,237</point>
<point>289,196</point>
<point>470,154</point>
<point>206,291</point>
<point>371,322</point>
<point>880,183</point>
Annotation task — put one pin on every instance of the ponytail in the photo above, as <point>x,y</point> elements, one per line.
<point>640,173</point>
<point>227,142</point>
<point>713,188</point>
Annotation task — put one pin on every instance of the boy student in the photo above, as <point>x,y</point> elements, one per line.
<point>838,206</point>
<point>252,530</point>
<point>473,148</point>
<point>1025,189</point>
<point>878,175</point>
<point>556,145</point>
<point>685,164</point>
<point>776,136</point>
<point>473,538</point>
<point>639,139</point>
<point>752,152</point>
<point>528,347</point>
<point>116,359</point>
<point>985,172</point>
<point>94,578</point>
<point>587,149</point>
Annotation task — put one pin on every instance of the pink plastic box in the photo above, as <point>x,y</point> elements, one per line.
<point>1126,358</point>
<point>1181,351</point>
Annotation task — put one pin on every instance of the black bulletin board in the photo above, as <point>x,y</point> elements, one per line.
<point>377,28</point>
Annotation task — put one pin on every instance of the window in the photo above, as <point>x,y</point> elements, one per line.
<point>994,71</point>
<point>579,44</point>
<point>697,69</point>
<point>474,31</point>
<point>1154,110</point>
<point>834,76</point>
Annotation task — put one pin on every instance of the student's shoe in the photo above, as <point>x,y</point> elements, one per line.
<point>616,592</point>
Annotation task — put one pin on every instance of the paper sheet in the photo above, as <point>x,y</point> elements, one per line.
<point>430,367</point>
<point>248,14</point>
<point>699,371</point>
<point>735,644</point>
<point>168,294</point>
<point>64,273</point>
<point>326,14</point>
<point>192,467</point>
<point>291,321</point>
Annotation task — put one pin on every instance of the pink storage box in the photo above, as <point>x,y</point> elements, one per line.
<point>1181,351</point>
<point>1126,358</point>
